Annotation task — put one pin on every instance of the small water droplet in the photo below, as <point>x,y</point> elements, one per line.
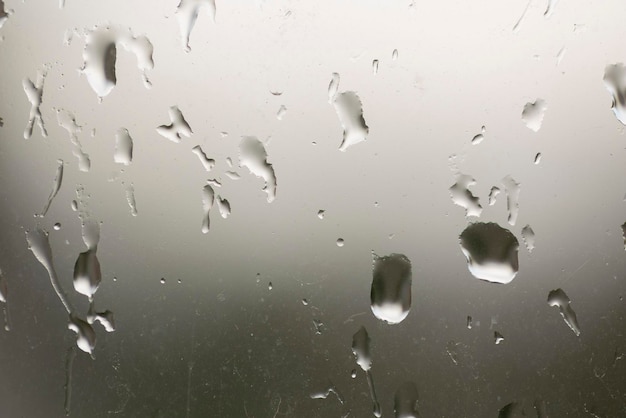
<point>333,87</point>
<point>375,66</point>
<point>57,226</point>
<point>353,374</point>
<point>528,235</point>
<point>560,299</point>
<point>56,185</point>
<point>493,194</point>
<point>325,393</point>
<point>318,326</point>
<point>282,111</point>
<point>162,280</point>
<point>498,338</point>
<point>123,147</point>
<point>462,196</point>
<point>405,401</point>
<point>340,242</point>
<point>394,55</point>
<point>537,158</point>
<point>469,322</point>
<point>305,302</point>
<point>252,154</point>
<point>270,286</point>
<point>491,252</point>
<point>512,189</point>
<point>177,129</point>
<point>179,281</point>
<point>321,213</point>
<point>533,113</point>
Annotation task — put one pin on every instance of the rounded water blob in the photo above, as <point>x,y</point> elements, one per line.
<point>391,288</point>
<point>491,252</point>
<point>57,226</point>
<point>353,374</point>
<point>339,242</point>
<point>162,280</point>
<point>87,274</point>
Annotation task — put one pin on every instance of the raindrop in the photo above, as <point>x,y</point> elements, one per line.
<point>394,55</point>
<point>491,252</point>
<point>232,175</point>
<point>179,281</point>
<point>4,294</point>
<point>375,66</point>
<point>177,129</point>
<point>57,226</point>
<point>512,410</point>
<point>270,286</point>
<point>56,185</point>
<point>462,196</point>
<point>305,302</point>
<point>560,55</point>
<point>361,349</point>
<point>559,299</point>
<point>100,56</point>
<point>325,393</point>
<point>512,189</point>
<point>87,275</point>
<point>528,235</point>
<point>321,213</point>
<point>405,401</point>
<point>615,82</point>
<point>130,199</point>
<point>318,326</point>
<point>187,13</point>
<point>391,288</point>
<point>333,87</point>
<point>282,111</point>
<point>517,24</point>
<point>498,338</point>
<point>550,7</point>
<point>162,280</point>
<point>123,147</point>
<point>74,205</point>
<point>4,14</point>
<point>452,352</point>
<point>85,335</point>
<point>493,194</point>
<point>469,322</point>
<point>624,234</point>
<point>350,112</point>
<point>340,242</point>
<point>229,162</point>
<point>67,121</point>
<point>252,154</point>
<point>477,139</point>
<point>532,115</point>
<point>537,158</point>
<point>208,199</point>
<point>34,93</point>
<point>223,206</point>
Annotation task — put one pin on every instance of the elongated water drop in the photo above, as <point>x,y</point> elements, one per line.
<point>187,13</point>
<point>375,66</point>
<point>333,87</point>
<point>87,274</point>
<point>394,55</point>
<point>391,288</point>
<point>4,14</point>
<point>178,128</point>
<point>208,199</point>
<point>512,189</point>
<point>559,299</point>
<point>491,252</point>
<point>326,391</point>
<point>68,122</point>
<point>462,196</point>
<point>34,93</point>
<point>537,159</point>
<point>282,111</point>
<point>130,199</point>
<point>253,156</point>
<point>56,185</point>
<point>4,298</point>
<point>493,194</point>
<point>123,147</point>
<point>405,401</point>
<point>223,206</point>
<point>512,410</point>
<point>350,113</point>
<point>615,82</point>
<point>497,337</point>
<point>207,163</point>
<point>361,350</point>
<point>528,235</point>
<point>85,335</point>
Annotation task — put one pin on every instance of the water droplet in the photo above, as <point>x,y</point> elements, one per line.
<point>67,121</point>
<point>469,322</point>
<point>187,13</point>
<point>405,401</point>
<point>85,334</point>
<point>87,274</point>
<point>325,393</point>
<point>74,205</point>
<point>391,288</point>
<point>375,66</point>
<point>34,93</point>
<point>340,242</point>
<point>615,82</point>
<point>491,252</point>
<point>559,299</point>
<point>252,154</point>
<point>361,349</point>
<point>394,55</point>
<point>282,111</point>
<point>321,213</point>
<point>4,294</point>
<point>229,162</point>
<point>123,147</point>
<point>130,199</point>
<point>223,206</point>
<point>350,113</point>
<point>493,194</point>
<point>270,286</point>
<point>100,56</point>
<point>452,352</point>
<point>532,115</point>
<point>498,338</point>
<point>318,326</point>
<point>162,280</point>
<point>550,8</point>
<point>232,175</point>
<point>57,226</point>
<point>179,281</point>
<point>528,235</point>
<point>353,374</point>
<point>333,87</point>
<point>560,55</point>
<point>276,93</point>
<point>537,158</point>
<point>477,139</point>
<point>208,199</point>
<point>178,128</point>
<point>106,319</point>
<point>512,189</point>
<point>512,410</point>
<point>56,185</point>
<point>305,302</point>
<point>517,24</point>
<point>462,196</point>
<point>624,234</point>
<point>4,14</point>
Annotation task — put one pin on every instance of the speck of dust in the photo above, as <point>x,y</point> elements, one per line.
<point>162,280</point>
<point>340,242</point>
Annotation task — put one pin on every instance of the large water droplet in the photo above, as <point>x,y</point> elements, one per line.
<point>85,334</point>
<point>462,196</point>
<point>350,112</point>
<point>615,82</point>
<point>56,185</point>
<point>87,274</point>
<point>100,56</point>
<point>405,401</point>
<point>559,299</point>
<point>252,155</point>
<point>178,128</point>
<point>187,13</point>
<point>34,93</point>
<point>340,242</point>
<point>491,252</point>
<point>123,147</point>
<point>528,235</point>
<point>391,288</point>
<point>532,115</point>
